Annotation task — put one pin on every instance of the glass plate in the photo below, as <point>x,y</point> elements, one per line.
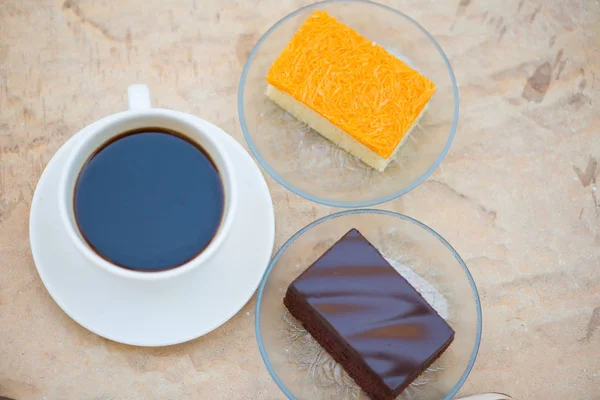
<point>311,166</point>
<point>303,370</point>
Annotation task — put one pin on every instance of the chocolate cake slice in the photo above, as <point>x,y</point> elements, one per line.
<point>368,317</point>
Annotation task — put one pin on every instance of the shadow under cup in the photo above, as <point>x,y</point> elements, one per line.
<point>101,136</point>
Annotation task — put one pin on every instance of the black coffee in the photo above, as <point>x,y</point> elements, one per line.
<point>149,200</point>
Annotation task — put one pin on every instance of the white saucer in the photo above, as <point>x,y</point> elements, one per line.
<point>156,313</point>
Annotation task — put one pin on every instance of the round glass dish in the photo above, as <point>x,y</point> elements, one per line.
<point>308,164</point>
<point>303,370</point>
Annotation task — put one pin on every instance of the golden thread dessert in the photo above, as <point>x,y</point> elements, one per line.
<point>349,89</point>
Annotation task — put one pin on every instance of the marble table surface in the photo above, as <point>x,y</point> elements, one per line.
<point>516,195</point>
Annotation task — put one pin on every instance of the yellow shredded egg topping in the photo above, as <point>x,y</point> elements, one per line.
<point>352,82</point>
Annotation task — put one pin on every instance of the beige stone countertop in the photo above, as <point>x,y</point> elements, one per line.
<point>516,195</point>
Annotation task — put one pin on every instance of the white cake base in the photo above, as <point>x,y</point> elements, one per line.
<point>334,133</point>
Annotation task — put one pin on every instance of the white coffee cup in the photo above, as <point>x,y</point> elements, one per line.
<point>141,115</point>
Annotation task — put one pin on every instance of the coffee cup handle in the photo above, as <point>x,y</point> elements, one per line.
<point>138,97</point>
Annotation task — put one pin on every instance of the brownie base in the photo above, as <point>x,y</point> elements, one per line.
<point>363,377</point>
<point>328,338</point>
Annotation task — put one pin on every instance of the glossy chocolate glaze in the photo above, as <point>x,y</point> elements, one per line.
<point>380,317</point>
